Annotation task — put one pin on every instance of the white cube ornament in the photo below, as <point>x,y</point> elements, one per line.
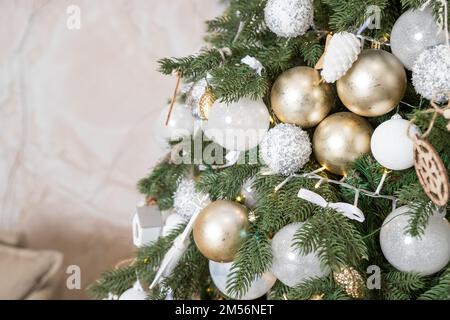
<point>147,225</point>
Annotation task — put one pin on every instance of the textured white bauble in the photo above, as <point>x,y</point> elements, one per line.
<point>194,95</point>
<point>427,254</point>
<point>391,145</point>
<point>431,73</point>
<point>259,287</point>
<point>414,32</point>
<point>288,265</point>
<point>342,52</point>
<point>286,149</point>
<point>238,126</point>
<point>173,221</point>
<point>133,294</point>
<point>289,18</point>
<point>187,201</point>
<point>181,125</point>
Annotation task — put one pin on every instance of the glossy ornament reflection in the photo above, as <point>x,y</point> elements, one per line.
<point>220,230</point>
<point>299,98</point>
<point>374,85</point>
<point>340,139</point>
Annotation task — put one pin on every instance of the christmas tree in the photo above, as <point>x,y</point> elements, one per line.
<point>308,157</point>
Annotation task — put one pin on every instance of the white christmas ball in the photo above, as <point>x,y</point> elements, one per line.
<point>173,221</point>
<point>286,149</point>
<point>289,18</point>
<point>181,125</point>
<point>187,201</point>
<point>431,73</point>
<point>391,146</point>
<point>426,254</point>
<point>343,50</point>
<point>133,294</point>
<point>238,126</point>
<point>414,32</point>
<point>259,287</point>
<point>288,265</point>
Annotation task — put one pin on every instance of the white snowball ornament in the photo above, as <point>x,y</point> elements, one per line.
<point>134,293</point>
<point>342,52</point>
<point>414,32</point>
<point>391,145</point>
<point>289,18</point>
<point>426,254</point>
<point>431,73</point>
<point>181,125</point>
<point>286,149</point>
<point>187,201</point>
<point>288,265</point>
<point>238,126</point>
<point>259,287</point>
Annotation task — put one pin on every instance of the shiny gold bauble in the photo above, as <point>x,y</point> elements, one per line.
<point>340,139</point>
<point>299,97</point>
<point>351,281</point>
<point>220,230</point>
<point>374,85</point>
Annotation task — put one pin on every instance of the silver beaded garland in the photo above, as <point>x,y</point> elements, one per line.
<point>187,201</point>
<point>286,149</point>
<point>289,18</point>
<point>431,73</point>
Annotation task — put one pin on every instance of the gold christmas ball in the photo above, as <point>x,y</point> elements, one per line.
<point>340,139</point>
<point>299,97</point>
<point>374,85</point>
<point>220,230</point>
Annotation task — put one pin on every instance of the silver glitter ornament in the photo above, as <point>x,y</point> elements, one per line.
<point>248,193</point>
<point>414,32</point>
<point>289,18</point>
<point>286,149</point>
<point>194,95</point>
<point>187,201</point>
<point>431,73</point>
<point>426,254</point>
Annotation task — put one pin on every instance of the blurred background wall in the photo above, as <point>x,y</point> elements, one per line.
<point>76,113</point>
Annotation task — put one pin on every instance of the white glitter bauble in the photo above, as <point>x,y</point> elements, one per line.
<point>187,201</point>
<point>391,145</point>
<point>194,95</point>
<point>181,125</point>
<point>288,265</point>
<point>414,32</point>
<point>426,254</point>
<point>238,126</point>
<point>342,52</point>
<point>431,73</point>
<point>289,18</point>
<point>259,287</point>
<point>286,149</point>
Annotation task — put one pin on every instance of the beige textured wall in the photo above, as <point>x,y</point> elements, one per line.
<point>76,113</point>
